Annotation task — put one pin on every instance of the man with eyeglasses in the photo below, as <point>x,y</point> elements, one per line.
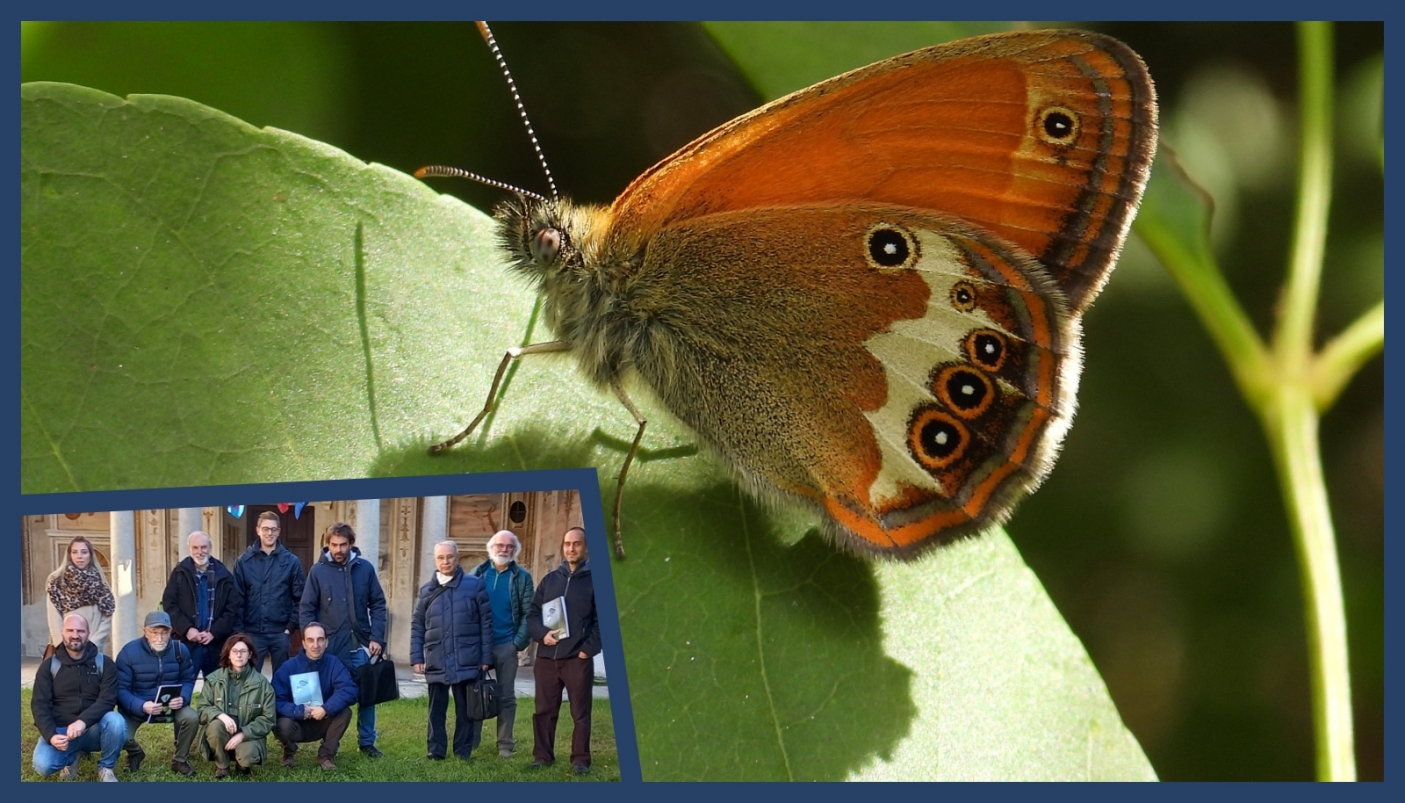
<point>270,581</point>
<point>510,594</point>
<point>314,693</point>
<point>155,683</point>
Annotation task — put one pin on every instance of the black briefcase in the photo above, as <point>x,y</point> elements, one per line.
<point>484,698</point>
<point>376,681</point>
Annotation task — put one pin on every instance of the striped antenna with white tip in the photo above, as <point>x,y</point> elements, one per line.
<point>440,170</point>
<point>516,98</point>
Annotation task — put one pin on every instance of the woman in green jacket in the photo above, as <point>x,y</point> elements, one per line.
<point>236,709</point>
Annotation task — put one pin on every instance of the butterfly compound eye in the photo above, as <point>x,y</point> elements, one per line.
<point>545,245</point>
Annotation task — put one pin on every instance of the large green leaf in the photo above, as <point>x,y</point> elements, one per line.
<point>205,302</point>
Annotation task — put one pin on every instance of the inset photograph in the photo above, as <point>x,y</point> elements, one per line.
<point>434,637</point>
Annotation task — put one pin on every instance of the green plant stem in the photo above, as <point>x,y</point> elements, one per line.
<point>1294,336</point>
<point>1291,417</point>
<point>1291,424</point>
<point>1344,355</point>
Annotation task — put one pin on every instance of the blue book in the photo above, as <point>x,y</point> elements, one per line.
<point>307,688</point>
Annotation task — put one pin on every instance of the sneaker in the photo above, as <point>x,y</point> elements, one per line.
<point>372,751</point>
<point>326,764</point>
<point>580,769</point>
<point>183,768</point>
<point>68,773</point>
<point>134,760</point>
<point>504,754</point>
<point>106,775</point>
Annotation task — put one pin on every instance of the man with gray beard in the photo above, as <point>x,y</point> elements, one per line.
<point>510,592</point>
<point>204,603</point>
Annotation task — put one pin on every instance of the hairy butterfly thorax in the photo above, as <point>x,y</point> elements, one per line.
<point>865,296</point>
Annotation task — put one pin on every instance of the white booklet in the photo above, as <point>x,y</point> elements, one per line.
<point>307,688</point>
<point>554,617</point>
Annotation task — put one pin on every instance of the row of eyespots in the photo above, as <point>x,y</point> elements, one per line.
<point>938,433</point>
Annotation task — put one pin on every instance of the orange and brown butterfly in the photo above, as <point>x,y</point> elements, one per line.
<point>866,295</point>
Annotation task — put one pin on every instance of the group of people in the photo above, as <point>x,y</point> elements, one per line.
<point>222,624</point>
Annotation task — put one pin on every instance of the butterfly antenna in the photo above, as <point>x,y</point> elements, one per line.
<point>440,170</point>
<point>517,98</point>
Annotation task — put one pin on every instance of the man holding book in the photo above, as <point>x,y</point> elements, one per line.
<point>155,684</point>
<point>562,619</point>
<point>314,693</point>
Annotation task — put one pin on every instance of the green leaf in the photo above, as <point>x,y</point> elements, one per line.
<point>204,302</point>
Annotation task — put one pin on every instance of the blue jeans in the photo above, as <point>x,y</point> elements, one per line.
<point>365,714</point>
<point>107,738</point>
<point>204,656</point>
<point>273,646</point>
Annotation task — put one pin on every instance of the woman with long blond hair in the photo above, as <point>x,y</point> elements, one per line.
<point>79,586</point>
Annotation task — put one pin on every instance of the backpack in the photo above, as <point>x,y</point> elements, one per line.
<point>54,664</point>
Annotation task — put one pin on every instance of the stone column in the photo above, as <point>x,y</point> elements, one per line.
<point>188,520</point>
<point>368,531</point>
<point>436,529</point>
<point>125,622</point>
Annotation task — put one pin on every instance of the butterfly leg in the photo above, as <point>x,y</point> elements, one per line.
<point>488,405</point>
<point>629,458</point>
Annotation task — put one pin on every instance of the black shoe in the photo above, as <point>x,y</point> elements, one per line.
<point>134,760</point>
<point>580,769</point>
<point>183,768</point>
<point>539,764</point>
<point>433,757</point>
<point>372,751</point>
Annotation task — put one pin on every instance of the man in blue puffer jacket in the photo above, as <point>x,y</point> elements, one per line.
<point>324,716</point>
<point>345,596</point>
<point>145,665</point>
<point>270,581</point>
<point>451,642</point>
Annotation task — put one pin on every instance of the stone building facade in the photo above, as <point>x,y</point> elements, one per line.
<point>138,549</point>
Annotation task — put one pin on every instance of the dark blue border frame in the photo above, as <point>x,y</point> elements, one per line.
<point>731,9</point>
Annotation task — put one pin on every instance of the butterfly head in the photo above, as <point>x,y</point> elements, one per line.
<point>546,238</point>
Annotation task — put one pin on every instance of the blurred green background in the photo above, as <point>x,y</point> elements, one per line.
<point>1160,535</point>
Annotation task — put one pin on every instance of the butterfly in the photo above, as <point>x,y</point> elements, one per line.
<point>865,296</point>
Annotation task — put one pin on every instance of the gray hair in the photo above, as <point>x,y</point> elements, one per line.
<point>516,542</point>
<point>449,544</point>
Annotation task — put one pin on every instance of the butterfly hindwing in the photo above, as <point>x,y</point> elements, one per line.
<point>958,365</point>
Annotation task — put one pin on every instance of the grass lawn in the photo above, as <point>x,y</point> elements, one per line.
<point>402,727</point>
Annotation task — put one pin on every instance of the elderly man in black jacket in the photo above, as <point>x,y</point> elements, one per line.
<point>566,657</point>
<point>204,603</point>
<point>74,695</point>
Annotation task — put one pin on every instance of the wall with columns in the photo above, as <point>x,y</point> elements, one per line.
<point>138,549</point>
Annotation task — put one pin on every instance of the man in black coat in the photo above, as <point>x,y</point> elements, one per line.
<point>270,582</point>
<point>74,695</point>
<point>566,657</point>
<point>203,602</point>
